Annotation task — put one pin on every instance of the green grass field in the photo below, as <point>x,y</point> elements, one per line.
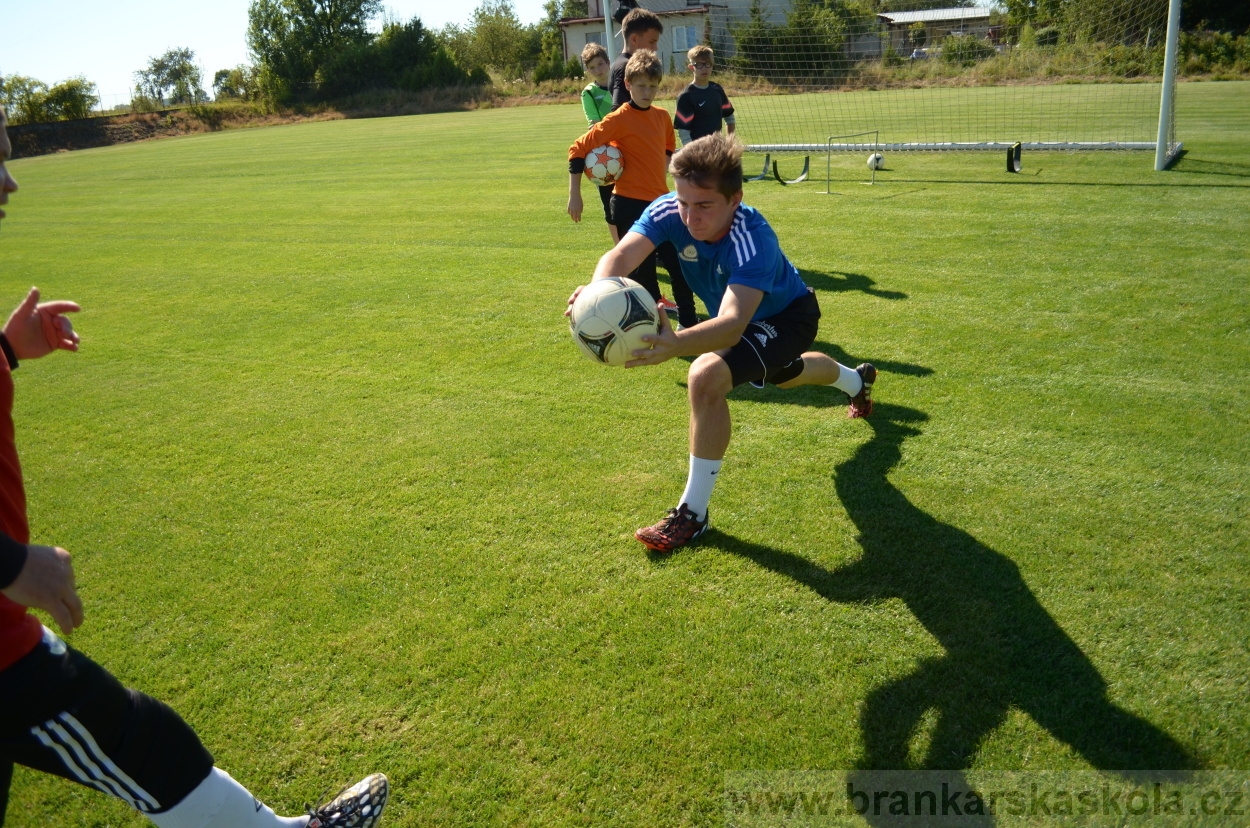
<point>341,491</point>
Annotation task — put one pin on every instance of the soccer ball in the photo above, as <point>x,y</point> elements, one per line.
<point>610,318</point>
<point>604,165</point>
<point>876,161</point>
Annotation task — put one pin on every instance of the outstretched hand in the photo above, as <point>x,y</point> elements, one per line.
<point>36,330</point>
<point>664,345</point>
<point>46,582</point>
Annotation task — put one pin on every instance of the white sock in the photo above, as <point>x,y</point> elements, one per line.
<point>220,802</point>
<point>699,485</point>
<point>848,380</point>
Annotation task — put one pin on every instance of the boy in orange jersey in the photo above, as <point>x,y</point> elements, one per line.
<point>644,134</point>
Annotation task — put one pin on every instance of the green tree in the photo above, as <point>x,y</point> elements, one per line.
<point>551,63</point>
<point>1020,12</point>
<point>807,47</point>
<point>25,99</point>
<point>239,82</point>
<point>499,41</point>
<point>754,40</point>
<point>30,101</point>
<point>403,56</point>
<point>172,76</point>
<point>72,99</point>
<point>292,40</point>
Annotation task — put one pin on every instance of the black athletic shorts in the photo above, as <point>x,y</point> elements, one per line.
<point>605,195</point>
<point>62,713</point>
<point>771,350</point>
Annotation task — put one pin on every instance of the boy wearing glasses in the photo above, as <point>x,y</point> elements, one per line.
<point>703,105</point>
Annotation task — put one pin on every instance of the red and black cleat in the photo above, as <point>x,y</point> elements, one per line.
<point>678,528</point>
<point>861,403</point>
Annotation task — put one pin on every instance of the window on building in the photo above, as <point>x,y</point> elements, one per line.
<point>685,37</point>
<point>594,37</point>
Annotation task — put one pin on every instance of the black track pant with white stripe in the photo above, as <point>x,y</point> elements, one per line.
<point>62,713</point>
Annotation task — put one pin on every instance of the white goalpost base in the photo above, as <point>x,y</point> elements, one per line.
<point>996,146</point>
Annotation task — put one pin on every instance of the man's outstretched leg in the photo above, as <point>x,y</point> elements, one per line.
<point>856,383</point>
<point>63,714</point>
<point>221,802</point>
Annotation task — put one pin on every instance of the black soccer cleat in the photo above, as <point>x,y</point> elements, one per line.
<point>861,403</point>
<point>359,806</point>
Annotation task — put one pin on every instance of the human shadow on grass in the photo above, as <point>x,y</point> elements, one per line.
<point>1022,182</point>
<point>1003,649</point>
<point>841,282</point>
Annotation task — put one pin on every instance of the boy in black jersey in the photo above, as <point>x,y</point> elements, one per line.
<point>641,29</point>
<point>703,105</point>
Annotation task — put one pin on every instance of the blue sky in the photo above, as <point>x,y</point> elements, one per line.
<point>108,40</point>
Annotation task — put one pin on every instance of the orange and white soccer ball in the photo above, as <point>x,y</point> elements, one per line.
<point>604,165</point>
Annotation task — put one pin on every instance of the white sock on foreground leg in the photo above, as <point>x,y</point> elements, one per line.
<point>848,380</point>
<point>699,485</point>
<point>220,802</point>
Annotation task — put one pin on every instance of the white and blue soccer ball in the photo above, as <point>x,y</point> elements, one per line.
<point>604,165</point>
<point>610,317</point>
<point>876,161</point>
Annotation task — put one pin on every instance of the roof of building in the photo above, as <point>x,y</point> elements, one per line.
<point>937,15</point>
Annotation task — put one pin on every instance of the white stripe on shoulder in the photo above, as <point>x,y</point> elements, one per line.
<point>744,245</point>
<point>665,209</point>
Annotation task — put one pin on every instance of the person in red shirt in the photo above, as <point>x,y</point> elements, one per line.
<point>62,713</point>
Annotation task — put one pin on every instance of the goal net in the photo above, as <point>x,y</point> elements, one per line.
<point>1048,74</point>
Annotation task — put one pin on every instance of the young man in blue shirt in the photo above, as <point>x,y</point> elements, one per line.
<point>763,317</point>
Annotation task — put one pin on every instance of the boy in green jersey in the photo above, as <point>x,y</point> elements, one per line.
<point>597,102</point>
<point>596,99</point>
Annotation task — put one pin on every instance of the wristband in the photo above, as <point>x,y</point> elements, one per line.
<point>12,560</point>
<point>8,351</point>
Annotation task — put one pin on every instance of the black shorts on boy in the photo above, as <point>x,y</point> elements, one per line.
<point>771,349</point>
<point>605,195</point>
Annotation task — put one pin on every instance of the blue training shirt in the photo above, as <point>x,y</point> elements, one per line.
<point>748,255</point>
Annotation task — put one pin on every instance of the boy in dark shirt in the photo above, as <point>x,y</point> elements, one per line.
<point>641,30</point>
<point>703,105</point>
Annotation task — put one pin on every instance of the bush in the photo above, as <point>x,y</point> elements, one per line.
<point>966,50</point>
<point>142,103</point>
<point>554,67</point>
<point>1132,61</point>
<point>72,99</point>
<point>1212,51</point>
<point>240,83</point>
